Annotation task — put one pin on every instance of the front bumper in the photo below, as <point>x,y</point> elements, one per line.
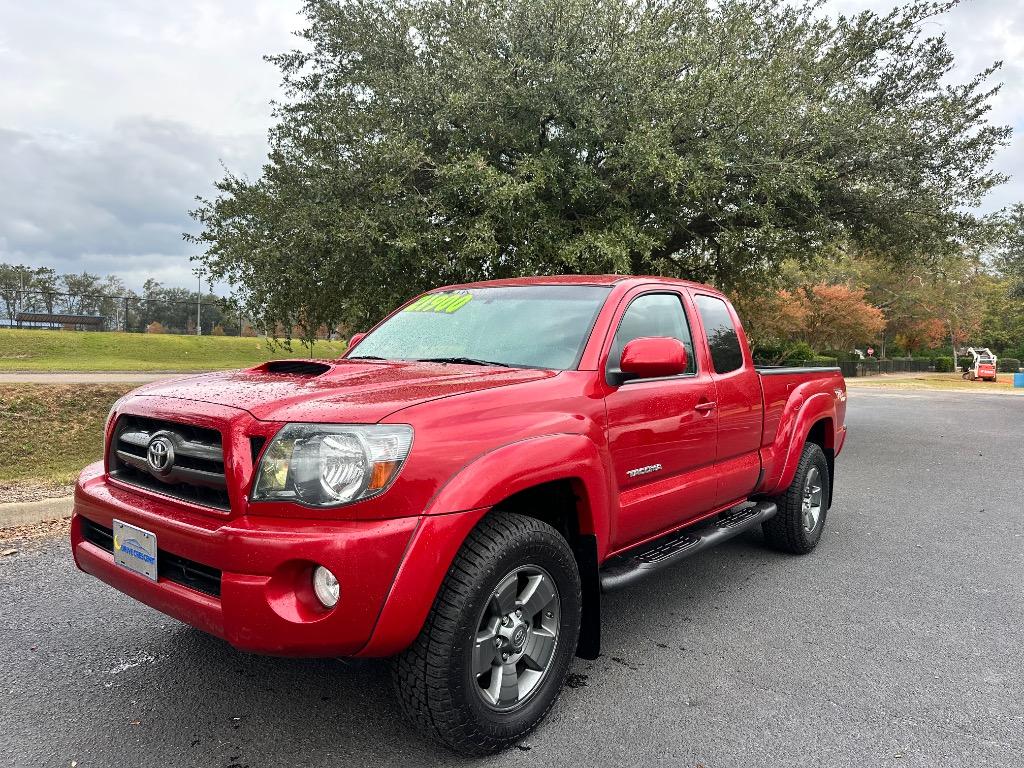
<point>266,603</point>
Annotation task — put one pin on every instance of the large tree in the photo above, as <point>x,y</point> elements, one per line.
<point>428,141</point>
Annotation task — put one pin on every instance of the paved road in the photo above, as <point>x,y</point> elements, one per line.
<point>85,377</point>
<point>898,642</point>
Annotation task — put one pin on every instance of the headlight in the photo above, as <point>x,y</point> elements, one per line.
<point>326,465</point>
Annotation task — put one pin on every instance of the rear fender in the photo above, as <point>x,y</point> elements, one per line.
<point>783,456</point>
<point>479,486</point>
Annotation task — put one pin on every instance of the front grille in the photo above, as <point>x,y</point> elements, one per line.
<point>180,570</point>
<point>195,474</point>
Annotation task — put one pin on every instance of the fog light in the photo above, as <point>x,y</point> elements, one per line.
<point>326,587</point>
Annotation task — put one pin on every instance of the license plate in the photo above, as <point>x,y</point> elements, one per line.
<point>135,549</point>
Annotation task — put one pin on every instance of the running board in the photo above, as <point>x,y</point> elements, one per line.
<point>628,568</point>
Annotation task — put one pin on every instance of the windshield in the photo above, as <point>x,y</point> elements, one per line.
<point>530,326</point>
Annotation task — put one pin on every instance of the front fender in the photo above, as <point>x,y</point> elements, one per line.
<point>508,469</point>
<point>475,489</point>
<point>782,457</point>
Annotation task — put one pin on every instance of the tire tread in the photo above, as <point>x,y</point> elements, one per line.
<point>785,530</point>
<point>421,673</point>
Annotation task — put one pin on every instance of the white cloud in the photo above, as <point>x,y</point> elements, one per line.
<point>116,202</point>
<point>114,114</point>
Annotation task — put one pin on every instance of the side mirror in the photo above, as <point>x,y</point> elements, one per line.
<point>356,338</point>
<point>651,357</point>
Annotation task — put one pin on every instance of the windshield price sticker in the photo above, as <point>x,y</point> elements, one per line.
<point>445,303</point>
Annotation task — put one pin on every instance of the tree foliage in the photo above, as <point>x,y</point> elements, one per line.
<point>824,316</point>
<point>427,141</point>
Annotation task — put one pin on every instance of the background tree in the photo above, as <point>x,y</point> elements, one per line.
<point>27,289</point>
<point>838,317</point>
<point>425,141</point>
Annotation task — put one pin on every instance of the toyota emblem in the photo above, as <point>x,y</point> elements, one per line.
<point>160,455</point>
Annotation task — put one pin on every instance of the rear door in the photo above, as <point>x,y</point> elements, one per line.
<point>661,432</point>
<point>739,405</point>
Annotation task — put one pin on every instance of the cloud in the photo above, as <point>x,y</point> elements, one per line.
<point>114,115</point>
<point>113,203</point>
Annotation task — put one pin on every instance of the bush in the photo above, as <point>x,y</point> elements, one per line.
<point>782,353</point>
<point>943,364</point>
<point>1008,364</point>
<point>797,351</point>
<point>156,327</point>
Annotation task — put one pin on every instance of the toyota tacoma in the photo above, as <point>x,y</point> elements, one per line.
<point>459,490</point>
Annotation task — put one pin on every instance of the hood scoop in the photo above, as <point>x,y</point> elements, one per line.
<point>295,367</point>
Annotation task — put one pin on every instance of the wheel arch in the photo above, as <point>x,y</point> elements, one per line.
<point>814,422</point>
<point>558,479</point>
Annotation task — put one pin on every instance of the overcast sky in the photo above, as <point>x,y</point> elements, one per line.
<point>114,114</point>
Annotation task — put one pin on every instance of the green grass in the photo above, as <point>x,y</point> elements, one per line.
<point>25,350</point>
<point>50,431</point>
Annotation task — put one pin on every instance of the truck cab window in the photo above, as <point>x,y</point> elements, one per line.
<point>653,314</point>
<point>723,341</point>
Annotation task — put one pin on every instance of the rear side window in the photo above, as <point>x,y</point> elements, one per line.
<point>723,342</point>
<point>653,314</point>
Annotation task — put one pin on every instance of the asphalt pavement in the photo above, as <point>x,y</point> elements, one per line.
<point>898,642</point>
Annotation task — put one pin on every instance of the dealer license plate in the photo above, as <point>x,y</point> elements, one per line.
<point>135,549</point>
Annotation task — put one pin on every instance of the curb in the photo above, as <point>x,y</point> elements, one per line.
<point>13,514</point>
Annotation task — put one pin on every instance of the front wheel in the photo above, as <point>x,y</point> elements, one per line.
<point>491,659</point>
<point>797,526</point>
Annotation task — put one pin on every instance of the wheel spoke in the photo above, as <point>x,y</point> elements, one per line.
<point>508,692</point>
<point>484,651</point>
<point>537,594</point>
<point>539,648</point>
<point>504,600</point>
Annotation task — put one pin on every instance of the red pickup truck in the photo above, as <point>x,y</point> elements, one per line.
<point>459,490</point>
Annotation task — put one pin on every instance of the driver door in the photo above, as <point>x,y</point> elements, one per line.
<point>662,431</point>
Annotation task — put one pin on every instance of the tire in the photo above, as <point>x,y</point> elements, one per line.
<point>791,530</point>
<point>445,681</point>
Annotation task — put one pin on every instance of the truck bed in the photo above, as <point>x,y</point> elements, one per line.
<point>779,383</point>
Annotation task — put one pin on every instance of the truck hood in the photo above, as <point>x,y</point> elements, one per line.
<point>337,391</point>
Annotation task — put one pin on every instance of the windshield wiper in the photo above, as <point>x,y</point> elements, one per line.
<point>461,361</point>
<point>364,357</point>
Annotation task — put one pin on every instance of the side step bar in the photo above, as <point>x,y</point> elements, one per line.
<point>631,567</point>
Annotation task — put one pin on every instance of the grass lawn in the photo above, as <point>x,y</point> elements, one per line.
<point>31,350</point>
<point>941,381</point>
<point>50,431</point>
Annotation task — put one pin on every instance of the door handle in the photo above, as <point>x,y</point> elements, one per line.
<point>705,407</point>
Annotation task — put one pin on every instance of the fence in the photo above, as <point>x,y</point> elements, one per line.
<point>858,368</point>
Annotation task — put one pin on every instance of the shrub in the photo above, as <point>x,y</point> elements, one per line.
<point>798,351</point>
<point>218,330</point>
<point>943,364</point>
<point>1008,364</point>
<point>156,327</point>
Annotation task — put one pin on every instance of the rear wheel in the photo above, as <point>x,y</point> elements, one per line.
<point>491,659</point>
<point>797,526</point>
